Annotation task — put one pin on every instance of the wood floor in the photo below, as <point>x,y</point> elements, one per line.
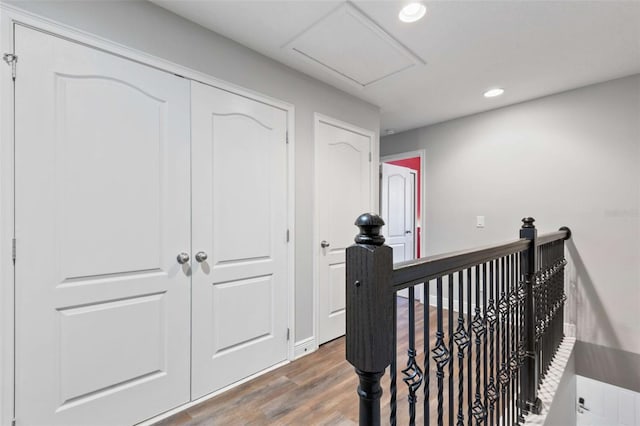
<point>320,389</point>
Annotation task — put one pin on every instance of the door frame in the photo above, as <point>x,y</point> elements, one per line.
<point>374,202</point>
<point>10,16</point>
<point>412,154</point>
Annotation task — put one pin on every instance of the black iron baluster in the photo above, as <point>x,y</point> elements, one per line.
<point>484,337</point>
<point>470,358</point>
<point>543,311</point>
<point>521,344</point>
<point>462,340</point>
<point>513,364</point>
<point>491,391</point>
<point>509,418</point>
<point>393,369</point>
<point>479,412</point>
<point>413,373</point>
<point>426,350</point>
<point>513,360</point>
<point>451,328</point>
<point>503,306</point>
<point>440,352</point>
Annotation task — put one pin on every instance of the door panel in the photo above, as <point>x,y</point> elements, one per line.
<point>240,220</point>
<point>102,210</point>
<point>344,192</point>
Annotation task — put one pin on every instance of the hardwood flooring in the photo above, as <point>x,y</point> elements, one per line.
<point>320,388</point>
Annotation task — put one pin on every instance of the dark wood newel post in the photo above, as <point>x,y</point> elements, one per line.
<point>369,323</point>
<point>528,264</point>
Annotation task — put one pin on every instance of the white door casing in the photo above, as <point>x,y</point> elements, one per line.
<point>102,210</point>
<point>240,311</point>
<point>343,184</point>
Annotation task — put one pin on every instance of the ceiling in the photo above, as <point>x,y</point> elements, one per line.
<point>437,68</point>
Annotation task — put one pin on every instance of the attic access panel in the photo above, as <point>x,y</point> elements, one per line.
<point>352,46</point>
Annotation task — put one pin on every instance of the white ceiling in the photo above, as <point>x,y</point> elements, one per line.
<point>530,48</point>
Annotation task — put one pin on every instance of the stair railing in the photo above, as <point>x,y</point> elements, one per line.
<point>497,309</point>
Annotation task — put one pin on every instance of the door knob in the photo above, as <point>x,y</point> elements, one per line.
<point>407,232</point>
<point>201,256</point>
<point>324,244</point>
<point>183,258</point>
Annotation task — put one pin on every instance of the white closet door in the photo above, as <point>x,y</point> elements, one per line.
<point>102,210</point>
<point>239,221</point>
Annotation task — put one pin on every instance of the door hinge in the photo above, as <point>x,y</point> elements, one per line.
<point>13,250</point>
<point>369,156</point>
<point>11,60</point>
<point>288,334</point>
<point>287,137</point>
<point>287,235</point>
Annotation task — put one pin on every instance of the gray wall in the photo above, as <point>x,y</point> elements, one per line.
<point>151,29</point>
<point>568,159</point>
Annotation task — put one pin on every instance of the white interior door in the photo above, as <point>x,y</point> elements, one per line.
<point>240,221</point>
<point>344,192</point>
<point>102,210</point>
<point>397,207</point>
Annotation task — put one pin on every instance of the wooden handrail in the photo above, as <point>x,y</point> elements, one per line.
<point>406,274</point>
<point>563,233</point>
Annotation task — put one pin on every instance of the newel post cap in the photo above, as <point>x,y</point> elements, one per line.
<point>369,225</point>
<point>527,222</point>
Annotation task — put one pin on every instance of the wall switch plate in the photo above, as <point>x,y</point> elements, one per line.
<point>479,221</point>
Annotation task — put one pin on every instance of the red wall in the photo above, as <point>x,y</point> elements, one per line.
<point>413,164</point>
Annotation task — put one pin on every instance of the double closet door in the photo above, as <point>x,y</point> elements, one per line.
<point>150,225</point>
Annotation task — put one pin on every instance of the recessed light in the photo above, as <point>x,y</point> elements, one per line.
<point>492,93</point>
<point>412,12</point>
<point>390,131</point>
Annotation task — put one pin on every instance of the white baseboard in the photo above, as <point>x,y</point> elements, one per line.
<point>305,347</point>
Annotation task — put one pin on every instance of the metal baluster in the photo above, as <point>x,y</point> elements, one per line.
<point>440,352</point>
<point>451,328</point>
<point>470,358</point>
<point>499,277</point>
<point>491,390</point>
<point>508,340</point>
<point>521,324</point>
<point>513,356</point>
<point>513,351</point>
<point>503,308</point>
<point>545,311</point>
<point>479,411</point>
<point>413,373</point>
<point>462,340</point>
<point>484,338</point>
<point>393,369</point>
<point>427,351</point>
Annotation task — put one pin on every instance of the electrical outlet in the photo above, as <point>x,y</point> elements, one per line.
<point>479,221</point>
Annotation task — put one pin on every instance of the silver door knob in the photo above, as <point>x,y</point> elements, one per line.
<point>183,258</point>
<point>201,256</point>
<point>324,244</point>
